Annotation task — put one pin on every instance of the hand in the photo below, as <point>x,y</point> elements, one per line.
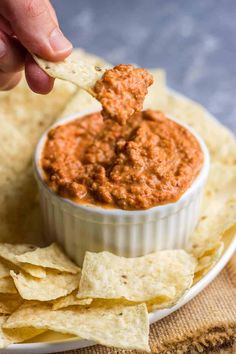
<point>29,26</point>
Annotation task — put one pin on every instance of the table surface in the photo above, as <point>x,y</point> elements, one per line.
<point>194,41</point>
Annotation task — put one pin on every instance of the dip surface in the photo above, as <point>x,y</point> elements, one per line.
<point>149,161</point>
<point>121,91</point>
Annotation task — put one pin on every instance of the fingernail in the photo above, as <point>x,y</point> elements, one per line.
<point>3,48</point>
<point>58,42</point>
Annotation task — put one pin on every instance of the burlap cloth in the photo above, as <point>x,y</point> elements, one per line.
<point>207,324</point>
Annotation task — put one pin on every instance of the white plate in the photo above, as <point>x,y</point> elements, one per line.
<point>50,342</point>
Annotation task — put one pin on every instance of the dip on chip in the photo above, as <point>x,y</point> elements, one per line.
<point>121,91</point>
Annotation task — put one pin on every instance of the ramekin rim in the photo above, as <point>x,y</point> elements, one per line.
<point>200,179</point>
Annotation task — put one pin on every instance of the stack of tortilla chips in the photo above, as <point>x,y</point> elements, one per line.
<point>107,301</point>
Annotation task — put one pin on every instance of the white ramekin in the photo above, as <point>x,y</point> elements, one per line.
<point>80,228</point>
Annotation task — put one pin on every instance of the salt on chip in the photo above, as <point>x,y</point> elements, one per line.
<point>73,69</point>
<point>9,252</point>
<point>70,300</point>
<point>163,274</point>
<point>9,303</point>
<point>7,286</point>
<point>117,326</point>
<point>49,257</point>
<point>53,286</point>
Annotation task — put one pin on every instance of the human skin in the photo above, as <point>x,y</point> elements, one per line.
<point>29,26</point>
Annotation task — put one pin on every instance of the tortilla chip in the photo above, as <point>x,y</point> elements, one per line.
<point>9,336</point>
<point>161,274</point>
<point>21,334</point>
<point>90,58</point>
<point>210,257</point>
<point>208,261</point>
<point>7,286</point>
<point>81,101</point>
<point>220,217</point>
<point>219,140</point>
<point>11,143</point>
<point>4,270</point>
<point>219,171</point>
<point>48,257</point>
<point>53,286</point>
<point>10,252</point>
<point>9,303</point>
<point>124,327</point>
<point>18,200</point>
<point>24,115</point>
<point>35,271</point>
<point>73,69</point>
<point>157,93</point>
<point>4,342</point>
<point>29,113</point>
<point>70,300</point>
<point>51,336</point>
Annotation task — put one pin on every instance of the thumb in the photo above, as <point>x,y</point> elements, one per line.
<point>36,27</point>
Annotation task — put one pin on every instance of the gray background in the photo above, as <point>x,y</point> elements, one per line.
<point>193,40</point>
